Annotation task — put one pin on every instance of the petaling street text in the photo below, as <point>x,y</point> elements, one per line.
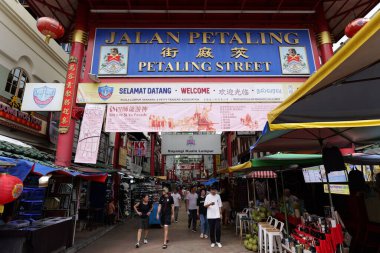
<point>206,37</point>
<point>204,66</point>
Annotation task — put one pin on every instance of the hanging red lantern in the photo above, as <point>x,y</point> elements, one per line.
<point>10,188</point>
<point>354,26</point>
<point>50,27</point>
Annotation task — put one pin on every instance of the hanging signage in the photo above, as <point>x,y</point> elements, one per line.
<point>184,144</point>
<point>43,97</point>
<point>341,189</point>
<point>18,118</point>
<point>68,95</point>
<point>187,117</point>
<point>89,136</point>
<point>140,148</point>
<point>123,156</point>
<point>202,52</point>
<point>221,92</point>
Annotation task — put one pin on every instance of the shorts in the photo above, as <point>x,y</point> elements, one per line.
<point>166,219</point>
<point>144,223</point>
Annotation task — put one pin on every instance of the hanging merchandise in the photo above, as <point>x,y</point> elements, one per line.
<point>10,188</point>
<point>125,198</point>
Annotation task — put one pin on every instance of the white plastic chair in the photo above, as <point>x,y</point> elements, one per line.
<point>244,213</point>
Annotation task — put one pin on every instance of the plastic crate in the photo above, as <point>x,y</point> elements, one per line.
<point>33,193</point>
<point>31,205</point>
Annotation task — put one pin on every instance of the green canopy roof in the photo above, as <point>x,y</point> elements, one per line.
<point>282,160</point>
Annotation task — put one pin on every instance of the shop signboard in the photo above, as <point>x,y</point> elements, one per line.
<point>137,52</point>
<point>140,148</point>
<point>123,157</point>
<point>89,136</point>
<point>341,189</point>
<point>184,144</point>
<point>187,117</point>
<point>43,97</point>
<point>186,92</point>
<point>15,118</point>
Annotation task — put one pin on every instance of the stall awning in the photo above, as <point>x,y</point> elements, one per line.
<point>343,93</point>
<point>236,168</point>
<point>262,174</point>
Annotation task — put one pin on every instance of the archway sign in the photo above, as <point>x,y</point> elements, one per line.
<point>281,58</point>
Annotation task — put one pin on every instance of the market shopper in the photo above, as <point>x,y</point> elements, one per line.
<point>177,203</point>
<point>202,213</point>
<point>111,212</point>
<point>213,203</point>
<point>191,208</point>
<point>143,209</point>
<point>165,213</point>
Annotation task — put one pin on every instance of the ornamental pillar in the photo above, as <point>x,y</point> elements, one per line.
<point>152,144</point>
<point>324,37</point>
<point>116,150</point>
<point>69,108</point>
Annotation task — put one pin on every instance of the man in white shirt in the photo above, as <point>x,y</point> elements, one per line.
<point>213,203</point>
<point>191,208</point>
<point>177,204</point>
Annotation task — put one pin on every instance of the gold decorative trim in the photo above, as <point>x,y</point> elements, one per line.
<point>79,36</point>
<point>324,37</point>
<point>73,59</point>
<point>63,130</point>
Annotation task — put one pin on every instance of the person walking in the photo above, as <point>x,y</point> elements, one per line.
<point>191,208</point>
<point>165,213</point>
<point>202,213</point>
<point>177,204</point>
<point>213,203</point>
<point>143,209</point>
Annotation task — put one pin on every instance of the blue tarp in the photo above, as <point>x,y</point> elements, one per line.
<point>21,170</point>
<point>211,181</point>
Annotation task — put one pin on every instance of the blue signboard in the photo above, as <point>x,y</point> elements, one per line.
<point>202,52</point>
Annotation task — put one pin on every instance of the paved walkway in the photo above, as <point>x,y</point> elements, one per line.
<point>122,239</point>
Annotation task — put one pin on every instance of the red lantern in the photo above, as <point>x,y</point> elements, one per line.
<point>354,26</point>
<point>10,188</point>
<point>50,27</point>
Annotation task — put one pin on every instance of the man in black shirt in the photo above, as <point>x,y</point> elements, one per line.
<point>143,209</point>
<point>165,213</point>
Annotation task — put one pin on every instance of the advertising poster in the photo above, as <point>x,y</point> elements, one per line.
<point>187,117</point>
<point>89,136</point>
<point>43,97</point>
<point>184,144</point>
<point>221,92</point>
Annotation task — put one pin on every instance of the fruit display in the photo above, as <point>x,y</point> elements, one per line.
<point>251,242</point>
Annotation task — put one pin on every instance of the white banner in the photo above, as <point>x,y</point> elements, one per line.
<point>43,97</point>
<point>89,136</point>
<point>221,92</point>
<point>189,117</point>
<point>191,144</point>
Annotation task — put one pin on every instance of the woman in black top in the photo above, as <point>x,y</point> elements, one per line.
<point>143,209</point>
<point>202,213</point>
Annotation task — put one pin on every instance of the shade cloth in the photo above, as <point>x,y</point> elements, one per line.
<point>262,174</point>
<point>343,93</point>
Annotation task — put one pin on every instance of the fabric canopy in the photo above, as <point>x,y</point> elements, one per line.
<point>343,93</point>
<point>276,161</point>
<point>211,181</point>
<point>262,174</point>
<point>310,140</point>
<point>236,168</point>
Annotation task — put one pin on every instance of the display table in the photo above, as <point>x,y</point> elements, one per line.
<point>42,236</point>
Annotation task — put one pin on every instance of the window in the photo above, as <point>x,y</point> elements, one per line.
<point>16,81</point>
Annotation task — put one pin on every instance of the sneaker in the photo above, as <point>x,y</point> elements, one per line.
<point>219,244</point>
<point>212,245</point>
<point>137,245</point>
<point>193,230</point>
<point>205,236</point>
<point>145,241</point>
<point>202,236</point>
<point>176,221</point>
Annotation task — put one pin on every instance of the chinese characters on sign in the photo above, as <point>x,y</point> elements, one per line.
<point>202,52</point>
<point>187,117</point>
<point>68,94</point>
